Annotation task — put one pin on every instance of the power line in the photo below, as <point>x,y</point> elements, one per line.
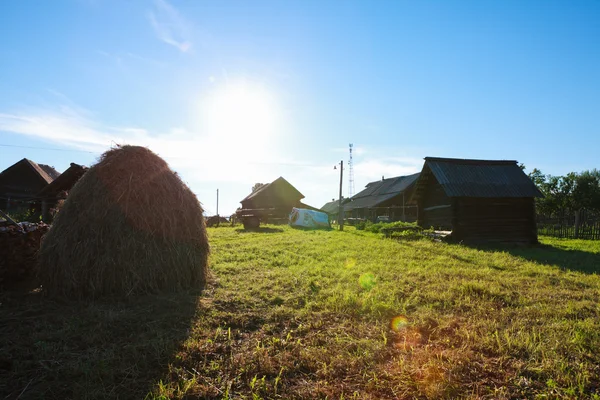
<point>48,148</point>
<point>167,157</point>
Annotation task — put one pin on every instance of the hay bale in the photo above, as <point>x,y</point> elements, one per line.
<point>130,225</point>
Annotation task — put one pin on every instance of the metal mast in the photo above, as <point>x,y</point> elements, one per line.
<point>350,174</point>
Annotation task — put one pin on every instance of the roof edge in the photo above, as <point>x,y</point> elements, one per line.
<point>471,161</point>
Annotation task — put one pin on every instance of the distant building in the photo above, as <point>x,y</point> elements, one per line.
<point>272,202</point>
<point>27,185</point>
<point>21,182</point>
<point>58,189</point>
<point>478,200</point>
<point>384,198</point>
<point>332,208</point>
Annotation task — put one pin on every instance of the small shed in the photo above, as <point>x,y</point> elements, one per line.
<point>386,197</point>
<point>478,200</point>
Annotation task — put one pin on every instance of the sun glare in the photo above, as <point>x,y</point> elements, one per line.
<point>242,114</point>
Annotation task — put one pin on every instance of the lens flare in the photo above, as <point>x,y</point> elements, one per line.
<point>350,263</point>
<point>367,281</point>
<point>398,323</point>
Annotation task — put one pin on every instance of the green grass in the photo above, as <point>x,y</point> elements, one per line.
<point>306,314</point>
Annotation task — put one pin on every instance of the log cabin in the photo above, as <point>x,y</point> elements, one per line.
<point>477,200</point>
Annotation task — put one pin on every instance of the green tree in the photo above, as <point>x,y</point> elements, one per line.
<point>586,191</point>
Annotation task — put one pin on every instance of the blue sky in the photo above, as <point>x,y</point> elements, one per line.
<point>236,92</point>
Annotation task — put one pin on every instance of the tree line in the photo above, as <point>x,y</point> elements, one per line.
<point>571,195</point>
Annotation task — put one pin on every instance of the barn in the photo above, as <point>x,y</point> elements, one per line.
<point>478,200</point>
<point>384,198</point>
<point>270,203</point>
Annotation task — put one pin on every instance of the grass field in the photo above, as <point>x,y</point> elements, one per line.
<point>325,314</point>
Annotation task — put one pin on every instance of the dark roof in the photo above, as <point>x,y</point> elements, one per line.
<point>306,206</point>
<point>478,178</point>
<point>379,191</point>
<point>280,186</point>
<point>50,171</point>
<point>64,182</point>
<point>333,207</point>
<point>25,163</point>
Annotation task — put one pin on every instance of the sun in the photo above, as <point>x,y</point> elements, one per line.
<point>242,114</point>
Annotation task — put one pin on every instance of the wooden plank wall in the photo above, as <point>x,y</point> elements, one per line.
<point>435,207</point>
<point>495,220</point>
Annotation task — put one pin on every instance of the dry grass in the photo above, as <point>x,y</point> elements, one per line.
<point>130,225</point>
<point>303,315</point>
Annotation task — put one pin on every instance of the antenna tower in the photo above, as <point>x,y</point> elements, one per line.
<point>351,174</point>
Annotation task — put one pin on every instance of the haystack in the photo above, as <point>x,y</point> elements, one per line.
<point>130,225</point>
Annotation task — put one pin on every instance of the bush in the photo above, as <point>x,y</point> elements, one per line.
<point>378,227</point>
<point>412,234</point>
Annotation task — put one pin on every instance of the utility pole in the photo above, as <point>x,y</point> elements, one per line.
<point>350,174</point>
<point>218,218</point>
<point>341,209</point>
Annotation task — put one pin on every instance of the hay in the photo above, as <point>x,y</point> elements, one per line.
<point>130,225</point>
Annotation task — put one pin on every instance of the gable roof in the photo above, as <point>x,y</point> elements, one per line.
<point>478,178</point>
<point>379,191</point>
<point>332,207</point>
<point>50,171</point>
<point>26,163</point>
<point>65,181</point>
<point>280,187</point>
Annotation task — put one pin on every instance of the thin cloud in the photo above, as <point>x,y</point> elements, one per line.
<point>196,156</point>
<point>169,26</point>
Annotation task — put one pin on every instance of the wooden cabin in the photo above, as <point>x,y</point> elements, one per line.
<point>58,189</point>
<point>478,200</point>
<point>272,203</point>
<point>386,197</point>
<point>277,194</point>
<point>21,182</point>
<point>331,208</point>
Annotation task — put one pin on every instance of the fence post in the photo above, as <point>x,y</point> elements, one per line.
<point>577,222</point>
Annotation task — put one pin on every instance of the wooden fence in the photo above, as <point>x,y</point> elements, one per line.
<point>565,228</point>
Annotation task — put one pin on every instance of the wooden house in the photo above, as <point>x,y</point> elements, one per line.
<point>331,208</point>
<point>272,202</point>
<point>21,182</point>
<point>384,198</point>
<point>57,190</point>
<point>478,200</point>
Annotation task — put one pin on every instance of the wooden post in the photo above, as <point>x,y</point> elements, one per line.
<point>45,211</point>
<point>341,207</point>
<point>218,219</point>
<point>577,223</point>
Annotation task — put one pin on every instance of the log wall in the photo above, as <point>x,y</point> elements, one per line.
<point>494,220</point>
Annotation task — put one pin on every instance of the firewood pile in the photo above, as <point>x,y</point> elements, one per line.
<point>19,246</point>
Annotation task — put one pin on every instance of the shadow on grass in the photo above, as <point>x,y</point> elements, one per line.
<point>566,259</point>
<point>101,349</point>
<point>260,230</point>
